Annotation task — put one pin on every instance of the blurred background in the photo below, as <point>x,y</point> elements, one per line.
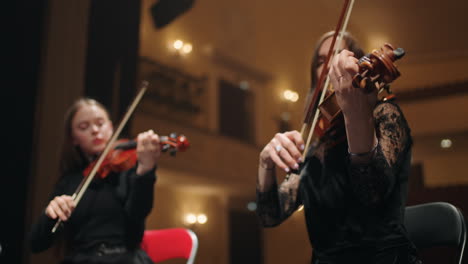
<point>228,75</point>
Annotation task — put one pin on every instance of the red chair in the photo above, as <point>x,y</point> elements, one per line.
<point>171,243</point>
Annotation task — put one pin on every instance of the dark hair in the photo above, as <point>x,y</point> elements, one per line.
<point>350,44</point>
<point>71,156</point>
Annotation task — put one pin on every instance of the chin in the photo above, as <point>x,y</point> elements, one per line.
<point>98,151</point>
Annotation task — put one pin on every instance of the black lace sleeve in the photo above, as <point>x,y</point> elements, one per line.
<point>278,203</point>
<point>373,181</point>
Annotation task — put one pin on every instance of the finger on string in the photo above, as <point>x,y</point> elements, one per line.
<point>351,66</point>
<point>346,53</point>
<point>139,141</point>
<point>146,138</point>
<point>155,139</point>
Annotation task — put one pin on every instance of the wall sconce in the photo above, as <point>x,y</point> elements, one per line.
<point>300,208</point>
<point>446,143</point>
<point>290,96</point>
<point>181,47</point>
<point>195,219</point>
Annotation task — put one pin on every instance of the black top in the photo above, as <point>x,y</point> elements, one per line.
<point>112,211</point>
<point>354,212</point>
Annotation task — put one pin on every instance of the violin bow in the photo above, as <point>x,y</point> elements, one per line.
<point>312,106</point>
<point>87,180</point>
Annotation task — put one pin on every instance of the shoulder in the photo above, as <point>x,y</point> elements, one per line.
<point>389,117</point>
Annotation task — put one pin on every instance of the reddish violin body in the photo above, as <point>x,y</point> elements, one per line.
<point>124,157</point>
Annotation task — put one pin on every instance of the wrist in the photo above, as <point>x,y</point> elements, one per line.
<point>361,135</point>
<point>141,169</point>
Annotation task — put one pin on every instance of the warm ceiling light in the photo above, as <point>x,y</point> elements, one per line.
<point>290,95</point>
<point>187,48</point>
<point>294,97</point>
<point>178,44</point>
<point>445,143</point>
<point>190,218</point>
<point>201,219</point>
<point>287,94</point>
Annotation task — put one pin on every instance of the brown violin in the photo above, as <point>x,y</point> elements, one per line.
<point>376,71</point>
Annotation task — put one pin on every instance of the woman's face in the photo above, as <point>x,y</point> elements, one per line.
<point>91,129</point>
<point>323,52</point>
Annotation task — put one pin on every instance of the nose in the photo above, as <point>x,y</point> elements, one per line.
<point>94,129</point>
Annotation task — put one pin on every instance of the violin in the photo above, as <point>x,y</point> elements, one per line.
<point>123,156</point>
<point>376,71</point>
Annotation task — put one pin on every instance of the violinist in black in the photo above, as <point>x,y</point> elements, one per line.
<point>353,192</point>
<point>108,224</point>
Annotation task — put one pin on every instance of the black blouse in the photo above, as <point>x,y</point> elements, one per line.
<point>354,211</point>
<point>111,211</point>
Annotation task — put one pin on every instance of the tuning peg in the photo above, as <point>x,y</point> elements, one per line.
<point>399,53</point>
<point>173,152</point>
<point>165,147</point>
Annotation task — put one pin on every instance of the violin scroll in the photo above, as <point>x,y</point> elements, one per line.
<point>377,69</point>
<point>174,143</point>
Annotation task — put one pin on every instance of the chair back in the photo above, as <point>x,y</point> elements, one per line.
<point>436,224</point>
<point>171,243</point>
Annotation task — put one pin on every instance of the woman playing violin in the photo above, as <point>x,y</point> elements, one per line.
<point>353,190</point>
<point>108,224</point>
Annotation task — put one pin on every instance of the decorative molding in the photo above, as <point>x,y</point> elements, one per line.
<point>176,90</point>
<point>236,66</point>
<point>415,57</point>
<point>433,92</point>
